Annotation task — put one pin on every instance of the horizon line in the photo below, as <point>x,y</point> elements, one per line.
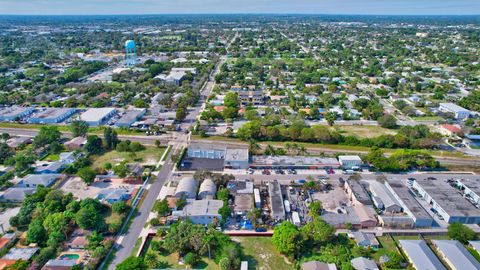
<point>246,13</point>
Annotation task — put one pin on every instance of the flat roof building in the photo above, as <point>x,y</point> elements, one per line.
<point>420,255</point>
<point>293,162</point>
<point>276,201</point>
<point>14,113</point>
<point>51,115</point>
<point>455,255</point>
<point>201,211</point>
<point>446,200</point>
<point>236,158</point>
<point>350,162</point>
<point>130,117</point>
<point>97,116</point>
<point>24,254</point>
<point>410,205</point>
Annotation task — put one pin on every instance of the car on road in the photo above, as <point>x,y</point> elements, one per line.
<point>291,171</point>
<point>250,171</point>
<point>301,181</point>
<point>266,172</point>
<point>260,230</point>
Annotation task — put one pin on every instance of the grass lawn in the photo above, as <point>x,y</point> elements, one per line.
<point>151,155</point>
<point>261,254</point>
<point>427,118</point>
<point>364,131</point>
<point>66,128</point>
<point>52,157</point>
<point>387,245</point>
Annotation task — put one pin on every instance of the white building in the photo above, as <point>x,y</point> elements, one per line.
<point>97,116</point>
<point>420,255</point>
<point>187,188</point>
<point>350,162</point>
<point>455,254</point>
<point>207,189</point>
<point>459,112</point>
<point>200,211</point>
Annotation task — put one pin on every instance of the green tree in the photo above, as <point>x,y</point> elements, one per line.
<point>331,117</point>
<point>315,209</point>
<point>111,138</point>
<point>387,121</point>
<point>79,128</point>
<point>191,259</point>
<point>87,175</point>
<point>120,207</point>
<point>94,145</point>
<point>460,232</point>
<point>161,207</point>
<point>287,239</point>
<point>318,231</point>
<point>36,233</point>
<point>46,135</point>
<point>132,263</point>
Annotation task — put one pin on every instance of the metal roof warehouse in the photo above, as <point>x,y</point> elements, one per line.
<point>293,162</point>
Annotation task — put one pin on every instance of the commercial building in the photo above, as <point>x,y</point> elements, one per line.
<point>225,156</point>
<point>187,188</point>
<point>459,112</point>
<point>97,116</point>
<point>293,162</point>
<point>236,158</point>
<point>350,162</point>
<point>200,211</point>
<point>455,254</point>
<point>446,201</point>
<point>51,115</point>
<point>408,202</point>
<point>471,188</point>
<point>14,113</point>
<point>420,255</point>
<point>129,117</point>
<point>207,189</point>
<point>357,193</point>
<point>276,201</point>
<point>383,198</point>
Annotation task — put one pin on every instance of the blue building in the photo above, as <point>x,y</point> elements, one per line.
<point>14,113</point>
<point>52,115</point>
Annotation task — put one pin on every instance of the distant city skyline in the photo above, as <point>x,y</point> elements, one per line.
<point>360,7</point>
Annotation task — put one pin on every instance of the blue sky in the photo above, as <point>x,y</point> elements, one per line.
<point>388,7</point>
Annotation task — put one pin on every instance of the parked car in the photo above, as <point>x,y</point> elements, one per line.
<point>260,230</point>
<point>266,172</point>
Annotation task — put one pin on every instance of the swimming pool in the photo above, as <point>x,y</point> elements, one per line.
<point>69,257</point>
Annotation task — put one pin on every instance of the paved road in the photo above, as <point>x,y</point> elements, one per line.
<point>125,248</point>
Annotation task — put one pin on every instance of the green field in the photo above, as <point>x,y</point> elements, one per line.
<point>261,254</point>
<point>151,155</point>
<point>65,128</point>
<point>364,131</point>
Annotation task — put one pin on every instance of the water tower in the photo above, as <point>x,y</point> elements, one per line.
<point>130,53</point>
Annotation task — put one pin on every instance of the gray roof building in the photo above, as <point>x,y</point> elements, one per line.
<point>201,211</point>
<point>207,189</point>
<point>316,265</point>
<point>20,254</point>
<point>35,180</point>
<point>409,204</point>
<point>15,194</point>
<point>362,263</point>
<point>130,117</point>
<point>384,199</point>
<point>276,201</point>
<point>420,255</point>
<point>456,255</point>
<point>187,187</point>
<point>293,162</point>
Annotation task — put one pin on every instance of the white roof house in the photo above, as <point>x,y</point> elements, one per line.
<point>456,255</point>
<point>420,255</point>
<point>459,112</point>
<point>187,187</point>
<point>350,161</point>
<point>35,180</point>
<point>207,189</point>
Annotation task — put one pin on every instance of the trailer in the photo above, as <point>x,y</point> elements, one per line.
<point>296,218</point>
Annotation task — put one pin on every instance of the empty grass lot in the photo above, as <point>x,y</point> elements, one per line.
<point>261,254</point>
<point>150,156</point>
